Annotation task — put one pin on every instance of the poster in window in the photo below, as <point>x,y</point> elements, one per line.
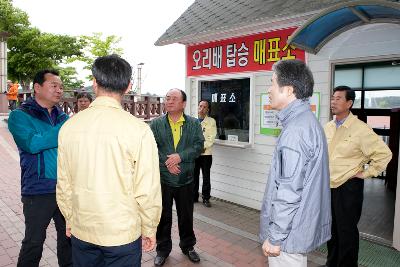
<point>270,125</point>
<point>315,103</point>
<point>230,107</point>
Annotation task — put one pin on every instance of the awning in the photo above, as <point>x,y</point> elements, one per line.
<point>323,27</point>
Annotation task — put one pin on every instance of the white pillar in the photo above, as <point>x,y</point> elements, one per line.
<point>3,64</point>
<point>189,90</point>
<point>396,225</point>
<point>139,79</point>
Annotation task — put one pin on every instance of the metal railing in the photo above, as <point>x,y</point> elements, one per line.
<point>144,107</point>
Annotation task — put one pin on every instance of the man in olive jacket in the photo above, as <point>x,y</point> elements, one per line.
<point>180,141</point>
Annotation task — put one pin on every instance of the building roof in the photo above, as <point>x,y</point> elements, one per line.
<point>208,18</point>
<point>331,22</point>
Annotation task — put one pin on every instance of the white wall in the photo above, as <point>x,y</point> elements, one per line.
<point>239,175</point>
<point>362,43</point>
<point>374,42</point>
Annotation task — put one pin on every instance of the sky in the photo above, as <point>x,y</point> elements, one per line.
<point>139,22</point>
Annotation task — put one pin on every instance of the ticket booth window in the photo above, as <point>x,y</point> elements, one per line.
<point>230,107</point>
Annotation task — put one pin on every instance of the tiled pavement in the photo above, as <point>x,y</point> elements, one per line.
<point>226,233</point>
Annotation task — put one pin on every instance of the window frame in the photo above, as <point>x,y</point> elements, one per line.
<point>362,113</point>
<point>362,89</point>
<point>224,77</point>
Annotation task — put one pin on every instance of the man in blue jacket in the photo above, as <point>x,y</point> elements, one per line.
<point>295,215</point>
<point>35,126</point>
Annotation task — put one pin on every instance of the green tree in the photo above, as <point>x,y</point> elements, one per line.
<point>32,50</point>
<point>12,20</point>
<point>69,77</point>
<point>97,46</point>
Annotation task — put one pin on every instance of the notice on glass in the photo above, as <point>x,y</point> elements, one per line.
<point>314,103</point>
<point>270,124</point>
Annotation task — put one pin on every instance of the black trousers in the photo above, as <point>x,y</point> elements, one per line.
<point>183,197</point>
<point>38,211</point>
<point>204,163</point>
<point>89,255</point>
<point>346,204</point>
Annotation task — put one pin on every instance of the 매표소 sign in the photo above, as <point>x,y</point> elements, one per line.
<point>247,53</point>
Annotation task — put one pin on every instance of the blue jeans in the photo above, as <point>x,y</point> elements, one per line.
<point>85,254</point>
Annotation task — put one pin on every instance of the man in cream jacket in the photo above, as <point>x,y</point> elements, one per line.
<point>108,185</point>
<point>204,162</point>
<point>355,153</point>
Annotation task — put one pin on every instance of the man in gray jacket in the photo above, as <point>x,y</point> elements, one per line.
<point>295,215</point>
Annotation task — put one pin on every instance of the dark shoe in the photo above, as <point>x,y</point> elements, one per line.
<point>192,255</point>
<point>207,203</point>
<point>159,260</point>
<point>195,200</point>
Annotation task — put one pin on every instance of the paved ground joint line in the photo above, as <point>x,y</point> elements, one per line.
<point>226,227</point>
<point>314,257</point>
<point>14,154</point>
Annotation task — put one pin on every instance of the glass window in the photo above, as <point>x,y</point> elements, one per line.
<point>382,77</point>
<point>357,101</point>
<point>379,122</point>
<point>382,99</point>
<point>349,77</point>
<point>230,106</point>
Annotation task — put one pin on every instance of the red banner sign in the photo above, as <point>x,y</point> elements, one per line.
<point>248,53</point>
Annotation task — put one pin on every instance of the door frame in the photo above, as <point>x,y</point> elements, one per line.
<point>374,59</point>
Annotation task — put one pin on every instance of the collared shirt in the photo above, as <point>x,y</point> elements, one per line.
<point>351,146</point>
<point>176,128</point>
<point>338,123</point>
<point>108,175</point>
